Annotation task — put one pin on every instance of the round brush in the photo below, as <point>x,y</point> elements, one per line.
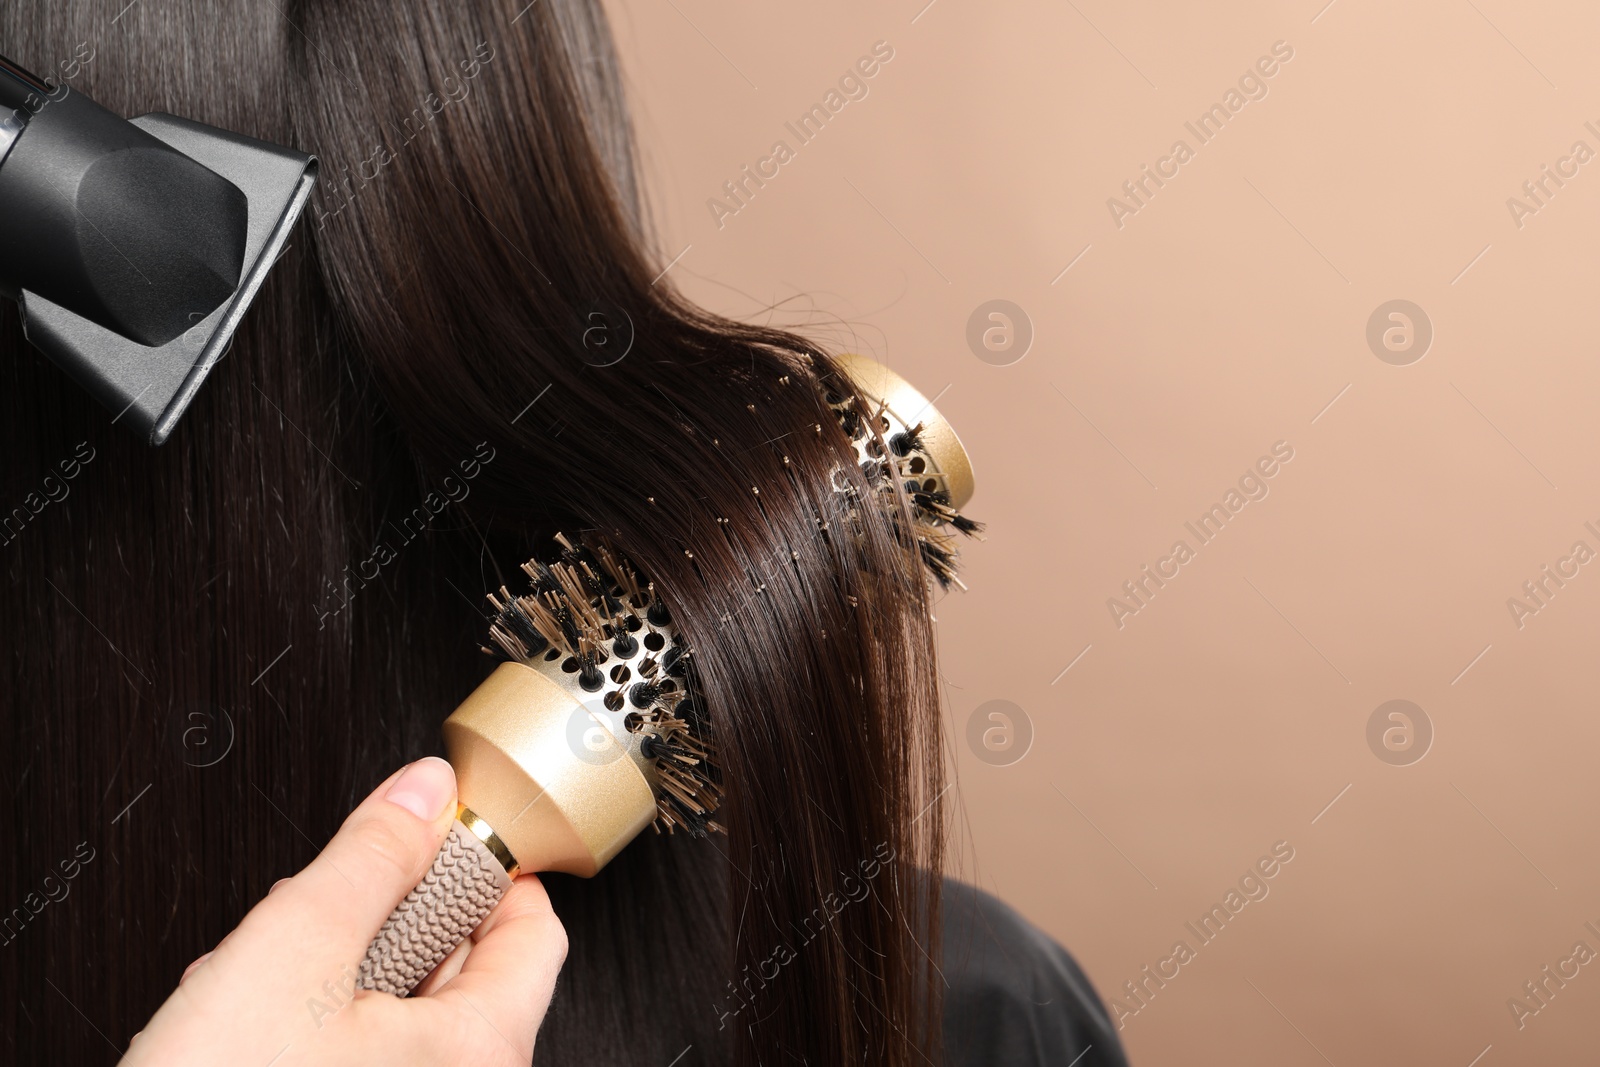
<point>592,727</point>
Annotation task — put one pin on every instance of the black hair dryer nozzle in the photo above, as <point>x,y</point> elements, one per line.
<point>135,246</point>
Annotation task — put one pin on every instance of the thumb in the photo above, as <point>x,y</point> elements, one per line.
<point>329,912</point>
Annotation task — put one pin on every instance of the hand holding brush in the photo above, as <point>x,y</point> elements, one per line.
<point>282,988</point>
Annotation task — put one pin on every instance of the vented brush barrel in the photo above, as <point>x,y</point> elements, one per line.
<point>560,780</point>
<point>560,755</point>
<point>544,785</point>
<point>947,464</point>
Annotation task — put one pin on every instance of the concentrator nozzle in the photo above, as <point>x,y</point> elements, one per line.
<point>135,246</point>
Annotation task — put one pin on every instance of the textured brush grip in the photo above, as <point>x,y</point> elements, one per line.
<point>457,893</point>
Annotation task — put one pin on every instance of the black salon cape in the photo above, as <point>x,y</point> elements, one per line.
<point>1015,997</point>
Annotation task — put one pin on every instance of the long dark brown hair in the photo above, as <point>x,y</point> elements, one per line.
<point>215,648</point>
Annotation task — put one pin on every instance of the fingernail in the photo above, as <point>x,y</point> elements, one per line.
<point>275,885</point>
<point>187,971</point>
<point>425,788</point>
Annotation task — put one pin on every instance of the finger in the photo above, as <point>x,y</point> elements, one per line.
<point>510,975</point>
<point>448,968</point>
<point>381,852</point>
<point>329,912</point>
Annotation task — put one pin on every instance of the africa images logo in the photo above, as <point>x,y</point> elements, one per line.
<point>1204,128</point>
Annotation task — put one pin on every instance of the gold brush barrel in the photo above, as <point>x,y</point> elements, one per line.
<point>906,407</point>
<point>545,770</point>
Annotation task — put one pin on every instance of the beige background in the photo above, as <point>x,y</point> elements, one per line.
<point>1223,317</point>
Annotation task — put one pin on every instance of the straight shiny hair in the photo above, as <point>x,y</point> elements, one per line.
<point>214,649</point>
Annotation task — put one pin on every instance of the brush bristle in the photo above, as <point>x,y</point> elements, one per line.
<point>583,605</point>
<point>890,456</point>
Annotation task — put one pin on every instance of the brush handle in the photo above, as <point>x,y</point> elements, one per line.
<point>457,893</point>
